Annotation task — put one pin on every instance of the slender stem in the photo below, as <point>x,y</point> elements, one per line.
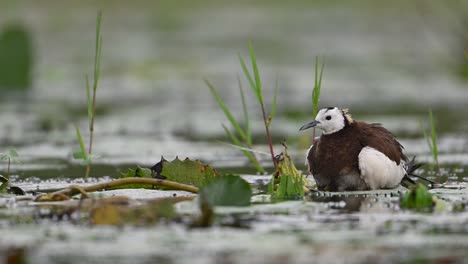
<point>72,190</point>
<point>91,133</point>
<point>8,170</point>
<point>270,142</point>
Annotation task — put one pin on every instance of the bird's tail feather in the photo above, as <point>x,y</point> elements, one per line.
<point>410,167</point>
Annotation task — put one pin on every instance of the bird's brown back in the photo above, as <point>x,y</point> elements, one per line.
<point>333,160</point>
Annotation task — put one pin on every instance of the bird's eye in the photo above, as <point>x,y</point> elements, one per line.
<point>328,117</point>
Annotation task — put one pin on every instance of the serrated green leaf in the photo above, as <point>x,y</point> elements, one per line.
<point>137,172</point>
<point>228,190</point>
<point>129,174</point>
<point>188,171</point>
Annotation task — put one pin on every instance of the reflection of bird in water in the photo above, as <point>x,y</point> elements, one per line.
<point>352,155</point>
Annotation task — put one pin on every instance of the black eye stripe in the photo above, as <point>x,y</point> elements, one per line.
<point>328,117</point>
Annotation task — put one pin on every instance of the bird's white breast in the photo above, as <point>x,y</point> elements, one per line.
<point>378,171</point>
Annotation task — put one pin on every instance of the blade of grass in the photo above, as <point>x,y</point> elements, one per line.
<point>258,82</point>
<point>434,138</point>
<point>316,92</point>
<point>246,149</point>
<point>226,111</point>
<point>317,86</point>
<point>246,115</point>
<point>98,49</point>
<point>89,100</point>
<point>80,141</point>
<point>249,78</point>
<point>97,73</point>
<point>257,88</point>
<point>249,155</point>
<point>426,137</point>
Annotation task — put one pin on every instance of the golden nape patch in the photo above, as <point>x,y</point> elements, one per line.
<point>347,115</point>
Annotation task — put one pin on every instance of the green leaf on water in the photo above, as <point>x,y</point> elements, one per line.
<point>185,171</point>
<point>417,198</point>
<point>227,190</point>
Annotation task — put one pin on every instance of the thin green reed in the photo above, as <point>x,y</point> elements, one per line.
<point>431,139</point>
<point>91,101</point>
<point>316,91</point>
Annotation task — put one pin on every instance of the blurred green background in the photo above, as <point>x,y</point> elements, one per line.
<point>388,61</point>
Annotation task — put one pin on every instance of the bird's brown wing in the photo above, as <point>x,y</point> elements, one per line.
<point>379,138</point>
<point>311,158</point>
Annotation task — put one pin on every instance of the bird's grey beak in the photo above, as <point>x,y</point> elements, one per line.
<point>309,125</point>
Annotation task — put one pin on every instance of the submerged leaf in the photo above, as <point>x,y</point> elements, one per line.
<point>227,190</point>
<point>188,171</point>
<point>111,214</point>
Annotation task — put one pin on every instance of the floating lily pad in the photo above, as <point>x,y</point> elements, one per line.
<point>228,190</point>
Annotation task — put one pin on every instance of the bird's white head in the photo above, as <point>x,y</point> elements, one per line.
<point>330,120</point>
